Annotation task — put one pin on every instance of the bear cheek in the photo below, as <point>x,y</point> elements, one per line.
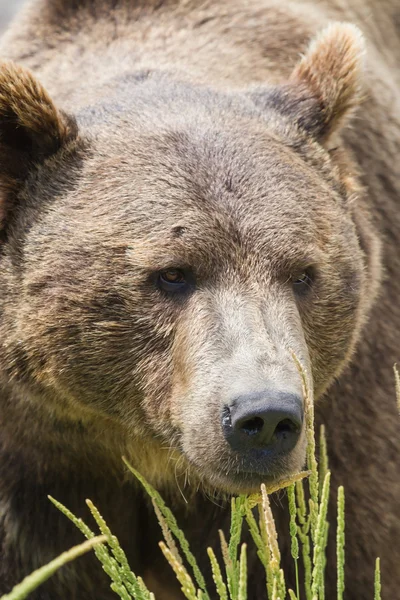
<point>333,326</point>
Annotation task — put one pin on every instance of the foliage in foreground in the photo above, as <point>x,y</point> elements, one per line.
<point>308,531</point>
<point>30,583</point>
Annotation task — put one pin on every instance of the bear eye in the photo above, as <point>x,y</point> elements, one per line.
<point>303,281</point>
<point>172,280</point>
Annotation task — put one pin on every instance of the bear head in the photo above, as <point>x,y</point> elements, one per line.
<point>171,254</point>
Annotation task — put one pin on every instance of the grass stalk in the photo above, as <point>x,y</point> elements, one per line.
<point>31,582</point>
<point>340,542</point>
<point>174,528</point>
<point>217,576</point>
<point>377,582</point>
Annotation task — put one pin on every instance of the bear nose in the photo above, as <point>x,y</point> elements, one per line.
<point>267,420</point>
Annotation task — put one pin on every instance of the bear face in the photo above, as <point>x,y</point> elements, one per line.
<point>177,252</point>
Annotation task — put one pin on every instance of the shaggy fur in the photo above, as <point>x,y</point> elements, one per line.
<point>213,137</point>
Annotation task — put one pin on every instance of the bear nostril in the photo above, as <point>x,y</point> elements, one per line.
<point>285,427</point>
<point>252,426</point>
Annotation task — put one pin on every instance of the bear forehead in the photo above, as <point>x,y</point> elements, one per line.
<point>168,150</point>
<point>206,186</point>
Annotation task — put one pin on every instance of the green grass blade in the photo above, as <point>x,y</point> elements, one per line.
<point>128,579</point>
<point>243,574</point>
<point>31,582</point>
<point>310,452</point>
<point>110,565</point>
<point>257,539</point>
<point>281,584</point>
<point>173,526</point>
<point>340,541</point>
<point>271,530</point>
<point>237,510</point>
<point>323,458</point>
<point>307,564</point>
<point>87,532</point>
<point>294,546</point>
<point>320,537</point>
<point>377,583</point>
<point>217,576</point>
<point>230,573</point>
<point>187,585</point>
<point>300,503</point>
<point>265,540</point>
<point>293,526</point>
<point>268,529</point>
<point>169,540</point>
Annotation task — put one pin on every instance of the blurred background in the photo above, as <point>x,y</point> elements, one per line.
<point>8,8</point>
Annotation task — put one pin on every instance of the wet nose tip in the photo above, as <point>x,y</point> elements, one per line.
<point>268,420</point>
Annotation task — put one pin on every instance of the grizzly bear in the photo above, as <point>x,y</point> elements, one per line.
<point>185,202</point>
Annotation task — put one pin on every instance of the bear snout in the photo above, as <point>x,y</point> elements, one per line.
<point>263,424</point>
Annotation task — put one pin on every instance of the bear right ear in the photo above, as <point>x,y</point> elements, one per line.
<point>31,130</point>
<point>326,84</point>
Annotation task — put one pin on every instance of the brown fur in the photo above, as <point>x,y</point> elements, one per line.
<point>332,70</point>
<point>178,134</point>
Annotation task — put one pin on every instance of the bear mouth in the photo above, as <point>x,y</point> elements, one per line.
<point>242,483</point>
<point>220,470</point>
<point>247,476</point>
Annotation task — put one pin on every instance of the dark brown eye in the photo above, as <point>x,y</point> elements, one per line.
<point>173,276</point>
<point>303,281</point>
<point>173,280</point>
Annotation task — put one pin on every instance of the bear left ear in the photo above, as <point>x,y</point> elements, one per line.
<point>30,123</point>
<point>31,130</point>
<point>326,85</point>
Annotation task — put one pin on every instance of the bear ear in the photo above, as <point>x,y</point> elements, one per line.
<point>331,71</point>
<point>31,129</point>
<point>326,85</point>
